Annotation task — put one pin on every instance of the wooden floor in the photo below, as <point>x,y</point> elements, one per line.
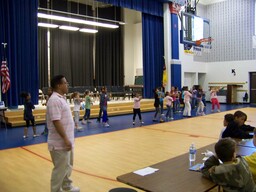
<point>99,159</point>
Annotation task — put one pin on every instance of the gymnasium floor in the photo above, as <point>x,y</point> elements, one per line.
<point>102,154</point>
<point>13,137</point>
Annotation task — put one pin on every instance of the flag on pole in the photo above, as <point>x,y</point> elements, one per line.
<point>5,77</point>
<point>165,80</point>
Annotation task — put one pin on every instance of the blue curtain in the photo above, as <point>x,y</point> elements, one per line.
<point>18,28</point>
<point>152,7</point>
<point>153,52</point>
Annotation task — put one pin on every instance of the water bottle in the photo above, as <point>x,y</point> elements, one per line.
<point>192,152</point>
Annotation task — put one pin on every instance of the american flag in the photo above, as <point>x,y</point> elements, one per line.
<point>5,77</point>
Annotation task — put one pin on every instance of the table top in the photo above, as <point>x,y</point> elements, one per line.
<point>174,174</point>
<point>3,108</point>
<point>244,150</point>
<point>246,143</point>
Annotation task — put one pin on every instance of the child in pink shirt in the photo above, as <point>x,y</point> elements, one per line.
<point>214,99</point>
<point>187,97</point>
<point>169,104</point>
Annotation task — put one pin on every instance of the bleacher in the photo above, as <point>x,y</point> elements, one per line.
<point>115,92</point>
<point>14,118</point>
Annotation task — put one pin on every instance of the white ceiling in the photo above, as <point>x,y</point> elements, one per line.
<point>207,2</point>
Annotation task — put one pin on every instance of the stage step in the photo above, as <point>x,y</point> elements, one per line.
<point>14,118</point>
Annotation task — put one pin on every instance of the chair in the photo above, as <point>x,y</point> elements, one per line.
<point>121,189</point>
<point>245,97</point>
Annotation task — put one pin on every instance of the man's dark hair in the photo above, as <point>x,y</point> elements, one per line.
<point>225,149</point>
<point>87,91</point>
<point>56,80</point>
<point>229,117</point>
<point>240,114</point>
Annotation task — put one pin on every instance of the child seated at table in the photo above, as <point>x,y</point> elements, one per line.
<point>237,128</point>
<point>251,159</point>
<point>242,124</point>
<point>227,119</point>
<point>233,173</point>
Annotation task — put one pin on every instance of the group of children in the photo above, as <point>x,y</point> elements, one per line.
<point>190,99</point>
<point>196,98</point>
<point>29,106</point>
<point>225,168</point>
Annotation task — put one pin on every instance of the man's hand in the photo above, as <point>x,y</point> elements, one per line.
<point>68,144</point>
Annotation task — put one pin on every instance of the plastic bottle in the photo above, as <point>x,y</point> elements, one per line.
<point>192,152</point>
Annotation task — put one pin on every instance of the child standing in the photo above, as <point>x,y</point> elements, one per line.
<point>136,108</point>
<point>156,104</point>
<point>161,104</point>
<point>28,114</point>
<point>187,97</point>
<point>49,93</point>
<point>104,106</point>
<point>174,96</point>
<point>200,108</point>
<point>88,103</point>
<point>77,104</point>
<point>214,99</point>
<point>169,103</point>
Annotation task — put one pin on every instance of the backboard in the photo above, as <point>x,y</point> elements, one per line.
<point>193,29</point>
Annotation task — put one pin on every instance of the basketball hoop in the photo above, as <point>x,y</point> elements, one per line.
<point>205,44</point>
<point>203,41</point>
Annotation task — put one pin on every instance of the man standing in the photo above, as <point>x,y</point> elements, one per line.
<point>61,136</point>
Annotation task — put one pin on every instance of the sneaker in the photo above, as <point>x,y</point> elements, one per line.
<point>154,120</point>
<point>212,111</point>
<point>25,137</point>
<point>218,110</point>
<point>133,123</point>
<point>171,118</point>
<point>88,121</point>
<point>79,128</point>
<point>72,189</point>
<point>106,125</point>
<point>141,122</point>
<point>83,122</point>
<point>35,136</point>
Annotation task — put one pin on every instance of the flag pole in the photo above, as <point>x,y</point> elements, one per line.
<point>5,59</point>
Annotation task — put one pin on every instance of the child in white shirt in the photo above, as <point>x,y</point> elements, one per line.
<point>136,108</point>
<point>76,109</point>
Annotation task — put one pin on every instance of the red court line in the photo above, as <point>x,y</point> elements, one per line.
<point>154,129</point>
<point>76,170</point>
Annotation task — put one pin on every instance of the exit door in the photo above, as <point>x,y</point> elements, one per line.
<point>252,87</point>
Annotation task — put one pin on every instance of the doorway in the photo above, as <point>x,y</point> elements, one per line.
<point>252,87</point>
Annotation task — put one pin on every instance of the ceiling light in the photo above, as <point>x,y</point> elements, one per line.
<point>70,28</point>
<point>74,20</point>
<point>88,30</point>
<point>49,25</point>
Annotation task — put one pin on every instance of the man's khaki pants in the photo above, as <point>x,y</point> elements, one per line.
<point>63,163</point>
